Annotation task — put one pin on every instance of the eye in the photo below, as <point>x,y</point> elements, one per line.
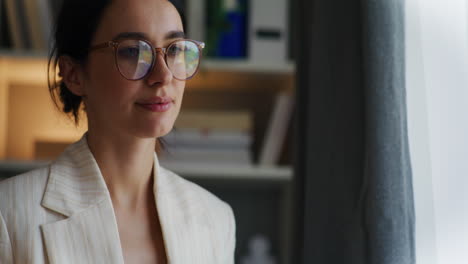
<point>129,52</point>
<point>174,50</point>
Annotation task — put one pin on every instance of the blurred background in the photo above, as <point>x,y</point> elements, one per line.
<point>265,60</point>
<point>239,147</point>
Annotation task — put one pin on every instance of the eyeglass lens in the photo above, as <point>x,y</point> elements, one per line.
<point>135,58</point>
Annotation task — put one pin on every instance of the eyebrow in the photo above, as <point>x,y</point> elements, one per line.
<point>170,35</point>
<point>175,34</point>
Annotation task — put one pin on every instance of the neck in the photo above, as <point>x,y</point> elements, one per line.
<point>126,164</point>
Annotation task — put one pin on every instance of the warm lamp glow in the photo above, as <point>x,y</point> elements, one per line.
<point>27,113</point>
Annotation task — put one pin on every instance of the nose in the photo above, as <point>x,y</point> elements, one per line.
<point>160,73</point>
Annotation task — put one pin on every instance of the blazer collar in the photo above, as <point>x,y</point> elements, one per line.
<point>75,181</point>
<point>76,189</point>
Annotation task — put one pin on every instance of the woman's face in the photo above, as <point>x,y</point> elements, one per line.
<point>117,105</point>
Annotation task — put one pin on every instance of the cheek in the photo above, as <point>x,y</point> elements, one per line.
<point>101,65</point>
<point>106,79</point>
<point>180,88</point>
<point>178,93</point>
<point>107,91</point>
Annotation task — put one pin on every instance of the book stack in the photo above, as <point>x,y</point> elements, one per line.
<point>211,138</point>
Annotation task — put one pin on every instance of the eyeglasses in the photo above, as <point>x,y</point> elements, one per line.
<point>135,58</point>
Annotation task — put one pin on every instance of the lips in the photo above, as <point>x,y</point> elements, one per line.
<point>156,104</point>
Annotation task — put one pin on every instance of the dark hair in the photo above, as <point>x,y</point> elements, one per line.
<point>75,27</point>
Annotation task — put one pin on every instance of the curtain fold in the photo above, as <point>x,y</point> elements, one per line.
<point>354,200</point>
<point>389,206</point>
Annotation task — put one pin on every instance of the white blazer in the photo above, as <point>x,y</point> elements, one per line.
<point>63,213</point>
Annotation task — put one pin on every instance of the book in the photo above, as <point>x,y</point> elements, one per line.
<point>208,138</point>
<point>276,130</point>
<point>232,39</point>
<point>15,24</point>
<point>215,120</point>
<point>3,22</point>
<point>46,20</point>
<point>33,24</point>
<point>226,28</point>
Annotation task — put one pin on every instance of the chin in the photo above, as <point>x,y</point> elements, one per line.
<point>152,126</point>
<point>152,131</point>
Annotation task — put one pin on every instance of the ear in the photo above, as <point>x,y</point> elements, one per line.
<point>71,73</point>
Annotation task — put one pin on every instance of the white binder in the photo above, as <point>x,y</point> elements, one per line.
<point>268,31</point>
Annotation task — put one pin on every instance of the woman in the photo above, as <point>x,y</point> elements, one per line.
<point>106,199</point>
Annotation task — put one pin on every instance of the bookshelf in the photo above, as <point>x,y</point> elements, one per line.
<point>25,78</point>
<point>23,83</point>
<point>27,115</point>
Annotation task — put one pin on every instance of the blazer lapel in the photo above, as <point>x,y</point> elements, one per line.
<point>186,235</point>
<point>89,233</point>
<point>76,189</point>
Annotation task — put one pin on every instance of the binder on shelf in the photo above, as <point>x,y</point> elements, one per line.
<point>196,19</point>
<point>233,37</point>
<point>276,130</point>
<point>226,29</point>
<point>268,31</point>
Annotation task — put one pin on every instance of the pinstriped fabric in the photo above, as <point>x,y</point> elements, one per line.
<point>195,221</point>
<point>84,233</point>
<point>82,184</point>
<point>20,205</point>
<point>6,253</point>
<point>63,214</point>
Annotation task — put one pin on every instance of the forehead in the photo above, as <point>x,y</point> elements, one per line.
<point>154,18</point>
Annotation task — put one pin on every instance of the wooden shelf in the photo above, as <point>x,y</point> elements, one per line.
<point>208,64</point>
<point>24,70</point>
<point>248,66</point>
<point>245,172</point>
<point>17,167</point>
<point>23,53</point>
<point>228,172</point>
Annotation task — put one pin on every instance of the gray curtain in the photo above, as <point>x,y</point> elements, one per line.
<point>353,182</point>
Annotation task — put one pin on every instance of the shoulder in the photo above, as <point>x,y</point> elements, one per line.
<point>25,180</point>
<point>23,189</point>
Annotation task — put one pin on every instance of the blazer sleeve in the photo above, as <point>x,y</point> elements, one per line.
<point>231,237</point>
<point>6,253</point>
